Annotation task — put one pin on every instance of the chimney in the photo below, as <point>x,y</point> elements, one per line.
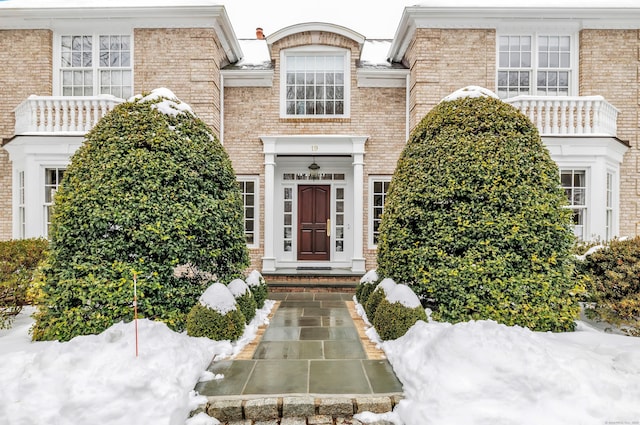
<point>259,34</point>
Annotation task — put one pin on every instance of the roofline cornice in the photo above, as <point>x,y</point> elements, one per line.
<point>209,16</point>
<point>316,26</point>
<point>414,17</point>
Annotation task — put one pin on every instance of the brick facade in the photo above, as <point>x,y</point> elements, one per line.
<point>185,60</point>
<point>444,60</point>
<point>251,112</point>
<point>26,69</point>
<point>610,67</point>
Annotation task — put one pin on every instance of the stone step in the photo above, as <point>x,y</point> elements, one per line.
<point>297,410</point>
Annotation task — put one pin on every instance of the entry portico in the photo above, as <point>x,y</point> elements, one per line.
<point>291,202</point>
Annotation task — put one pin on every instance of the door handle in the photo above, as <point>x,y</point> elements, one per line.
<point>328,227</point>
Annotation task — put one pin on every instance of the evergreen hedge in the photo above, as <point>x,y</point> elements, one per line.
<point>613,276</point>
<point>206,322</point>
<point>475,220</point>
<point>150,189</point>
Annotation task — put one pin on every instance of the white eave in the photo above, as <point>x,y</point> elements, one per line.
<point>374,77</point>
<point>614,14</point>
<point>247,77</point>
<point>135,14</point>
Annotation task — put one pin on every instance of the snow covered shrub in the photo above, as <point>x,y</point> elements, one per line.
<point>475,219</point>
<point>18,262</point>
<point>216,315</point>
<point>613,273</point>
<point>397,312</point>
<point>258,287</point>
<point>244,298</point>
<point>366,286</point>
<point>378,294</point>
<point>150,189</point>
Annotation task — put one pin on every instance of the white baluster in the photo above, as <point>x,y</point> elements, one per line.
<point>580,117</point>
<point>87,110</point>
<point>96,112</point>
<point>563,116</point>
<point>547,117</point>
<point>56,122</point>
<point>597,118</point>
<point>65,115</point>
<point>539,113</point>
<point>571,127</point>
<point>49,124</point>
<point>587,117</point>
<point>72,114</point>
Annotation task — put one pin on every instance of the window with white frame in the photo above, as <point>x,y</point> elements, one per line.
<point>378,188</point>
<point>249,189</point>
<point>92,64</point>
<point>534,64</point>
<point>52,179</point>
<point>609,208</point>
<point>315,83</point>
<point>574,183</point>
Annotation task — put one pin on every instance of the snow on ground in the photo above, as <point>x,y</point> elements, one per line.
<point>481,372</point>
<point>97,378</point>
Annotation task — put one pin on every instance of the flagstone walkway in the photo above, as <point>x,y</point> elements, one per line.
<point>313,345</point>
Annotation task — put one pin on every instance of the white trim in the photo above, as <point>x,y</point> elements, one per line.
<point>395,78</point>
<point>536,31</point>
<point>372,179</point>
<point>247,78</point>
<point>316,27</point>
<point>310,146</point>
<point>315,50</point>
<point>95,34</point>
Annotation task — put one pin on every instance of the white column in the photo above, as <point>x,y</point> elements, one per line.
<point>597,206</point>
<point>358,261</point>
<point>269,259</point>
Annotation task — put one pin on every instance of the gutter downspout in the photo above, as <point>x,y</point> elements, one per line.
<point>221,137</point>
<point>407,107</point>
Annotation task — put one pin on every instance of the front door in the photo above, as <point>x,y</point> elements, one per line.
<point>313,222</point>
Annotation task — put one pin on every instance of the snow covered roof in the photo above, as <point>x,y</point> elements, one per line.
<point>46,4</point>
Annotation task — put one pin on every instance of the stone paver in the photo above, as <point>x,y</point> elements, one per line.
<point>310,366</point>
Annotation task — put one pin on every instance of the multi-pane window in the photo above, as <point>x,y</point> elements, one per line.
<point>339,236</point>
<point>574,183</point>
<point>248,190</point>
<point>96,64</point>
<point>315,85</point>
<point>52,179</point>
<point>539,65</point>
<point>287,237</point>
<point>379,188</point>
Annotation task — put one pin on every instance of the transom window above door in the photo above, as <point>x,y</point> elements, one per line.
<point>535,64</point>
<point>93,64</point>
<point>315,83</point>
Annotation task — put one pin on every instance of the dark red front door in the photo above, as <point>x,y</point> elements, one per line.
<point>313,219</point>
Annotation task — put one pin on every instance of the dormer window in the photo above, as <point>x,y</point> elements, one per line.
<point>315,83</point>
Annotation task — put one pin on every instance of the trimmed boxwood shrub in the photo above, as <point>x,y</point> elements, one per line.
<point>475,220</point>
<point>150,189</point>
<point>258,287</point>
<point>366,286</point>
<point>380,291</point>
<point>19,260</point>
<point>393,320</point>
<point>207,322</point>
<point>244,298</point>
<point>613,273</point>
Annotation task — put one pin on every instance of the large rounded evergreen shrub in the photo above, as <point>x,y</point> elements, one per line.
<point>150,189</point>
<point>397,312</point>
<point>475,219</point>
<point>216,315</point>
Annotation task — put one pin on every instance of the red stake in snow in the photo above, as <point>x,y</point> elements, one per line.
<point>135,306</point>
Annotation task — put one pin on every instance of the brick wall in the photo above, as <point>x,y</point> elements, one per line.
<point>445,60</point>
<point>26,69</point>
<point>251,112</point>
<point>610,67</point>
<point>187,62</point>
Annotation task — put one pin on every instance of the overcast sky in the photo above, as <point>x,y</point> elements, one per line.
<point>371,18</point>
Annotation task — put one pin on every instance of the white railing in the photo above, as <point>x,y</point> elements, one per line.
<point>580,115</point>
<point>62,114</point>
